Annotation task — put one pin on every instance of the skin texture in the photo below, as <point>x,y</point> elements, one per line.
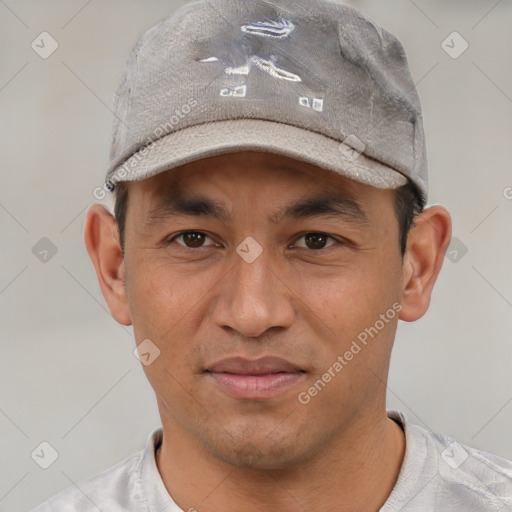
<point>304,300</point>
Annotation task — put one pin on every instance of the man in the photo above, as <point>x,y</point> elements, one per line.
<point>270,179</point>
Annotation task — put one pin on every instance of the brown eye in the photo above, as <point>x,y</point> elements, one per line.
<point>316,241</point>
<point>191,239</point>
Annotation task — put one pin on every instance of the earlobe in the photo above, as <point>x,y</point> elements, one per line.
<point>102,241</point>
<point>426,247</point>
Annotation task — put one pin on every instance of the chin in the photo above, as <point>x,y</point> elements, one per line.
<point>261,452</point>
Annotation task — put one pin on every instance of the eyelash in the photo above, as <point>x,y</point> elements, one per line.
<point>338,242</point>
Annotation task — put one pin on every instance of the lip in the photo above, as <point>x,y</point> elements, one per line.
<point>256,379</point>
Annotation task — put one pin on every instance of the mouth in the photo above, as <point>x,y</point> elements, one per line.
<point>258,379</point>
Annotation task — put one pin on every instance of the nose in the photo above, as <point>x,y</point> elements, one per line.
<point>254,297</point>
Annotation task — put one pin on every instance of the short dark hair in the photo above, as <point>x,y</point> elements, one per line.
<point>120,209</point>
<point>408,204</point>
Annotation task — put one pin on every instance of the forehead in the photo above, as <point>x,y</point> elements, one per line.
<point>246,168</point>
<point>279,188</point>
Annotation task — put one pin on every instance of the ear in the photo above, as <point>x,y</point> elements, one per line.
<point>426,245</point>
<point>102,241</point>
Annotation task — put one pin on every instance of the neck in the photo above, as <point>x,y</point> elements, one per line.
<point>367,455</point>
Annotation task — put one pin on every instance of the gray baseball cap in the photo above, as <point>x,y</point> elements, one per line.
<point>313,80</point>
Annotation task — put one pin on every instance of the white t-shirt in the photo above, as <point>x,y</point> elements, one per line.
<point>437,474</point>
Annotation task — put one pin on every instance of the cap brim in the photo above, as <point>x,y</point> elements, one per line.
<point>220,137</point>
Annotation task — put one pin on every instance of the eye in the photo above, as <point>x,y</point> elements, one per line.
<point>191,239</point>
<point>316,241</point>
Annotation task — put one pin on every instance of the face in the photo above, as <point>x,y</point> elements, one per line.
<point>271,288</point>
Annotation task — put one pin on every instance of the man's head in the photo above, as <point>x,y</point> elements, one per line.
<point>214,269</point>
<point>266,250</point>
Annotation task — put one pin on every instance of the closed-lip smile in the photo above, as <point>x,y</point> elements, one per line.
<point>254,379</point>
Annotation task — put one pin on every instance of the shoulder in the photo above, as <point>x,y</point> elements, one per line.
<point>439,473</point>
<point>468,471</point>
<point>117,489</point>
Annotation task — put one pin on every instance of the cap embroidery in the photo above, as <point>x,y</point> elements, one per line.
<point>277,29</point>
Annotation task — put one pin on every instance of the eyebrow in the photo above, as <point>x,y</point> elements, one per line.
<point>327,204</point>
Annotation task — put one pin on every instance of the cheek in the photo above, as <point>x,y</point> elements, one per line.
<point>353,339</point>
<point>345,312</point>
<point>157,298</point>
<point>351,297</point>
<point>167,303</point>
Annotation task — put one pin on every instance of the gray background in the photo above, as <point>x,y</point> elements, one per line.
<point>68,374</point>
